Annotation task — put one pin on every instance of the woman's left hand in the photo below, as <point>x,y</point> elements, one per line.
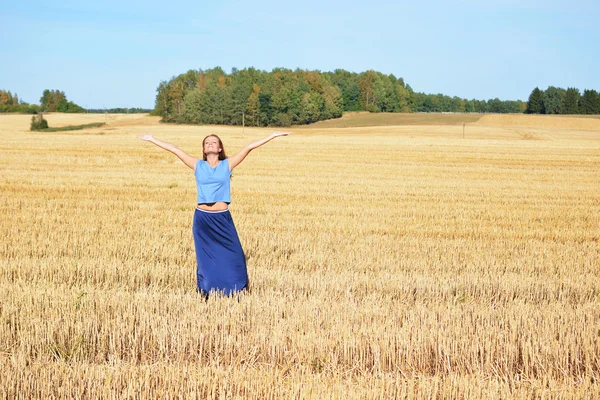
<point>276,134</point>
<point>148,137</point>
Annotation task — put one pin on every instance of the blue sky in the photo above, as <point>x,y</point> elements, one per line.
<point>115,53</point>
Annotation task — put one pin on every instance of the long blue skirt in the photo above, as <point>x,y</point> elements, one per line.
<point>219,253</point>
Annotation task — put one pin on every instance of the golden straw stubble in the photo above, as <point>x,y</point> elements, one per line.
<point>385,262</point>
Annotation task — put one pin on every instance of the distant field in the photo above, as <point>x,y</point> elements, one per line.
<point>408,257</point>
<point>363,119</point>
<point>20,123</point>
<point>552,122</point>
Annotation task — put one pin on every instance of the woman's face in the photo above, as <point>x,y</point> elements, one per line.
<point>211,145</point>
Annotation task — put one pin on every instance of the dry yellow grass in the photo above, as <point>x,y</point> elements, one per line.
<point>367,119</point>
<point>566,122</point>
<point>385,262</point>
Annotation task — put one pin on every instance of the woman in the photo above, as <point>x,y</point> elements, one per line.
<point>221,260</point>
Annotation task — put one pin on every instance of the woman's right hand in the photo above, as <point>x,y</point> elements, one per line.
<point>276,134</point>
<point>148,137</point>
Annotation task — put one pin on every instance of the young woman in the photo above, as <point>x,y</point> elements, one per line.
<point>221,260</point>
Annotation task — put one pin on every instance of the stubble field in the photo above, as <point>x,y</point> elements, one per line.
<point>405,260</point>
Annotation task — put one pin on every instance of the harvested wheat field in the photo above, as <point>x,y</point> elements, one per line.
<point>421,260</point>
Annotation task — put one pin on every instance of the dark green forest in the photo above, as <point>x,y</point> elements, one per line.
<point>284,97</point>
<point>560,101</point>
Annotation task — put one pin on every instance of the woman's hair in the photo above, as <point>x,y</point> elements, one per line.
<point>222,154</point>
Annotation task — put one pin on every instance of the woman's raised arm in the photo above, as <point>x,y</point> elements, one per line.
<point>235,160</point>
<point>183,156</point>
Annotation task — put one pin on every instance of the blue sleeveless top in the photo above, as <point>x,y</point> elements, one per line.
<point>213,183</point>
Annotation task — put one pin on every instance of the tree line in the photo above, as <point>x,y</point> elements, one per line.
<point>11,103</point>
<point>56,101</point>
<point>51,101</point>
<point>284,97</point>
<point>556,100</point>
<point>119,110</point>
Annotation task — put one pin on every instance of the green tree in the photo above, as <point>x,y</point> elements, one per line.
<point>372,91</point>
<point>38,122</point>
<point>590,102</point>
<point>63,105</point>
<point>480,106</point>
<point>5,97</point>
<point>194,105</point>
<point>311,108</point>
<point>553,100</point>
<point>253,107</point>
<point>347,83</point>
<point>241,88</point>
<point>161,102</point>
<point>459,104</point>
<point>51,99</point>
<point>429,103</point>
<point>535,104</point>
<point>265,109</point>
<point>223,105</point>
<point>333,103</point>
<point>176,95</point>
<point>403,96</point>
<point>469,106</point>
<point>571,101</point>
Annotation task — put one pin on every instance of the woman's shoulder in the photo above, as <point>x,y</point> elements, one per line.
<point>199,164</point>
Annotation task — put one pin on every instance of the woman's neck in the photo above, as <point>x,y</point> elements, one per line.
<point>212,159</point>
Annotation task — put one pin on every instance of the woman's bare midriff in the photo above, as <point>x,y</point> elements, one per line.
<point>218,206</point>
